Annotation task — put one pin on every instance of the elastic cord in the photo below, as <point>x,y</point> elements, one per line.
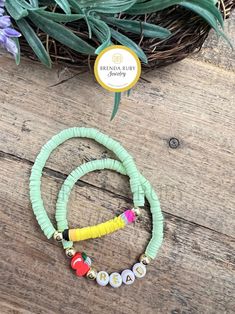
<point>111,164</point>
<point>36,173</point>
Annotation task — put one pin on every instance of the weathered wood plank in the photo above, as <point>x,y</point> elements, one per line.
<point>194,272</point>
<point>193,101</point>
<point>194,182</point>
<point>217,51</point>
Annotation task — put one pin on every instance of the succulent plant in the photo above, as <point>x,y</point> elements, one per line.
<point>102,18</point>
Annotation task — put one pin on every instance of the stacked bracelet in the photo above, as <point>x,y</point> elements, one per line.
<point>140,188</point>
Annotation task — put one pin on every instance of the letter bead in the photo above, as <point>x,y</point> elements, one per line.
<point>115,280</point>
<point>139,270</point>
<point>102,278</point>
<point>128,277</point>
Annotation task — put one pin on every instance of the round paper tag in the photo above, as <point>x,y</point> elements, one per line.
<point>117,68</point>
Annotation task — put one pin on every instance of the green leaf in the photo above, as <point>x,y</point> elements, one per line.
<point>61,33</point>
<point>102,32</point>
<point>34,42</point>
<point>149,6</point>
<point>207,5</point>
<point>117,100</point>
<point>62,18</point>
<point>126,41</point>
<point>227,40</point>
<point>206,8</point>
<point>209,17</point>
<point>64,5</point>
<point>75,6</point>
<point>108,6</point>
<point>25,5</point>
<point>138,27</point>
<point>47,3</point>
<point>34,3</point>
<point>211,20</point>
<point>17,56</point>
<point>15,10</point>
<point>88,25</point>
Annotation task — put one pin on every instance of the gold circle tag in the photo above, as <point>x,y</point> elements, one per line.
<point>117,68</point>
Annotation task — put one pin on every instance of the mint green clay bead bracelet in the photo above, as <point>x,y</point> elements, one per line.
<point>102,277</point>
<point>36,172</point>
<point>140,188</point>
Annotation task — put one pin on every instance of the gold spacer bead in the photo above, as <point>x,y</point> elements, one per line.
<point>92,274</point>
<point>58,236</point>
<point>70,252</point>
<point>144,259</point>
<point>137,211</point>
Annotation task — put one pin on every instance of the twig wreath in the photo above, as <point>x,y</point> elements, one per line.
<point>74,32</point>
<point>140,187</point>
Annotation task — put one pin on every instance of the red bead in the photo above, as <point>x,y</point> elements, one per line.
<point>78,264</point>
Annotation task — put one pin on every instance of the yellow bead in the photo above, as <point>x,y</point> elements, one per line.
<point>58,236</point>
<point>92,274</point>
<point>70,252</point>
<point>144,259</point>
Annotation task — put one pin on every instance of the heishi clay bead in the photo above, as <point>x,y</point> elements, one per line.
<point>139,270</point>
<point>115,280</point>
<point>102,278</point>
<point>128,277</point>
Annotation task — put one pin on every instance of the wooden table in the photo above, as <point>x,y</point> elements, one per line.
<point>192,101</point>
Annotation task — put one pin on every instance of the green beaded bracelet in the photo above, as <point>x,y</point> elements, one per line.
<point>82,265</point>
<point>36,173</point>
<point>111,164</point>
<point>140,188</point>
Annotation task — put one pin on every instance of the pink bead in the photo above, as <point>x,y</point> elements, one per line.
<point>130,215</point>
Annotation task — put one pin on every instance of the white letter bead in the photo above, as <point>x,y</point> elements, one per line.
<point>102,278</point>
<point>139,270</point>
<point>128,277</point>
<point>115,280</point>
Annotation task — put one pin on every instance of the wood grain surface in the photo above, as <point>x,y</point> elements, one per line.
<point>192,101</point>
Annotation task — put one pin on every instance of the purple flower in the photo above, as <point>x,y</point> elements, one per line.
<point>5,21</point>
<point>6,32</point>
